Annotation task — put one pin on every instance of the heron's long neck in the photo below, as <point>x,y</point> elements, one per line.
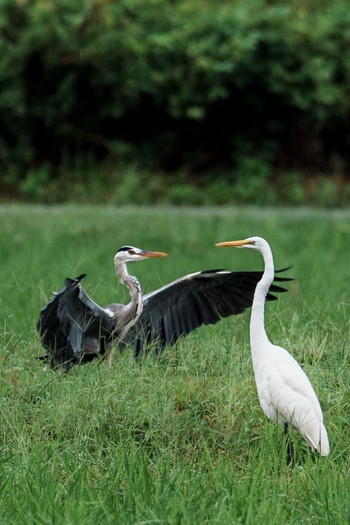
<point>136,304</point>
<point>258,334</point>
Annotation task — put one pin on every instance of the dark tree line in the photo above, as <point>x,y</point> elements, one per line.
<point>175,84</point>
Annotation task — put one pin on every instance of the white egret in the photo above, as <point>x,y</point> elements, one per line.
<point>285,392</point>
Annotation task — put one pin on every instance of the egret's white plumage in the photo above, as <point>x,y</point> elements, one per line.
<point>285,392</point>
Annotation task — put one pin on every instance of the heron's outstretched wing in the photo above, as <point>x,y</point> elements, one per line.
<point>195,299</point>
<point>69,318</point>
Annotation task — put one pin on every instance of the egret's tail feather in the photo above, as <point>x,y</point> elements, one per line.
<point>321,442</point>
<point>324,443</point>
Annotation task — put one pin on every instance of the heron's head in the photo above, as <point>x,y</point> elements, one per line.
<point>130,253</point>
<point>256,243</point>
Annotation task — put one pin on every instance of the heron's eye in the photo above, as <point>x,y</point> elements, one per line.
<point>131,251</point>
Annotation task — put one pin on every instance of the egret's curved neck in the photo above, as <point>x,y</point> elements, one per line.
<point>258,334</point>
<point>136,304</point>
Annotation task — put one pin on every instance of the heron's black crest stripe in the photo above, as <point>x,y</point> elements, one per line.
<point>125,249</point>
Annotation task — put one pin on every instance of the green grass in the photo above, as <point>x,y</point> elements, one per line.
<point>181,439</point>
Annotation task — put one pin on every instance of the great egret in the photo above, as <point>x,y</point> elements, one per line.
<point>74,329</point>
<point>285,392</point>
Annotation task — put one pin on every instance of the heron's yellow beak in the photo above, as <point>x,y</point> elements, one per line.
<point>148,254</point>
<point>236,244</point>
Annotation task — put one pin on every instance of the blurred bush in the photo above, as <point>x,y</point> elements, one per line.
<point>175,85</point>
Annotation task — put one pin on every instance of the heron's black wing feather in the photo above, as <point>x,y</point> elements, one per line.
<point>52,336</point>
<point>68,318</point>
<point>195,299</point>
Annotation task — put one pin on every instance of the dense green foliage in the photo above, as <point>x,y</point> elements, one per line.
<point>182,439</point>
<point>210,86</point>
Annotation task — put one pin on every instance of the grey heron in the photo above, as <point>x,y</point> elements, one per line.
<point>74,329</point>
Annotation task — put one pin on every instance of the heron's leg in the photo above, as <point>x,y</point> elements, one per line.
<point>105,352</point>
<point>110,358</point>
<point>290,450</point>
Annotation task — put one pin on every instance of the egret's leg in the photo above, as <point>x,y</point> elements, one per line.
<point>290,449</point>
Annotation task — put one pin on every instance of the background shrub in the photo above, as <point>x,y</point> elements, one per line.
<point>174,85</point>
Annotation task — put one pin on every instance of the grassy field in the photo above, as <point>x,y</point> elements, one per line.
<point>181,439</point>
